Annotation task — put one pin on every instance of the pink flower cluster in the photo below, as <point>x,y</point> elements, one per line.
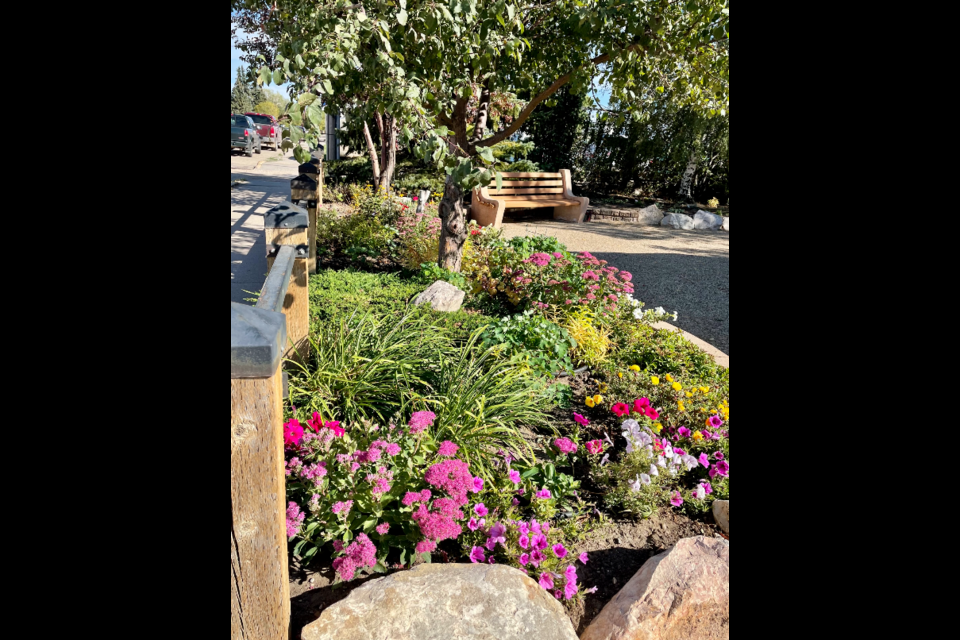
<point>420,421</point>
<point>294,519</point>
<point>342,507</point>
<point>447,449</point>
<point>361,553</point>
<point>453,476</point>
<point>413,497</point>
<point>565,445</point>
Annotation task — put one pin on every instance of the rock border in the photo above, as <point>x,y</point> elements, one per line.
<point>718,356</point>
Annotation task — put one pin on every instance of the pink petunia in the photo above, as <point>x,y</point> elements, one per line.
<point>620,409</point>
<point>676,500</point>
<point>514,476</point>
<point>704,460</point>
<point>583,557</point>
<point>477,555</point>
<point>580,419</point>
<point>559,550</point>
<point>546,580</point>
<point>481,509</point>
<point>524,558</point>
<point>595,446</point>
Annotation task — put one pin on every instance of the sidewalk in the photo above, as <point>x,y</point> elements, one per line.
<point>266,186</point>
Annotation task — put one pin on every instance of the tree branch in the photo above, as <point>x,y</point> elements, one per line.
<point>552,89</point>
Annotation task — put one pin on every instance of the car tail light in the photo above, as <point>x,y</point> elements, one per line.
<point>272,131</point>
<point>246,132</point>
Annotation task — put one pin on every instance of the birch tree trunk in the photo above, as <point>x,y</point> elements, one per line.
<point>687,181</point>
<point>372,150</point>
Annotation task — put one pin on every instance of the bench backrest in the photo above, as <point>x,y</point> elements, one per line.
<point>527,184</point>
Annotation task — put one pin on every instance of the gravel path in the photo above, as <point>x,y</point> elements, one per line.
<point>683,271</point>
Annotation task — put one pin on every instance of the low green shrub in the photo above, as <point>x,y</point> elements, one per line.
<point>532,341</point>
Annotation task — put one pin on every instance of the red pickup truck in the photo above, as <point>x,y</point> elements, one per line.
<point>268,128</point>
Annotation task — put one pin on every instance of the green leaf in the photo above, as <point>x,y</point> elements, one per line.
<point>278,77</point>
<point>306,99</point>
<point>501,21</point>
<point>300,62</point>
<point>402,17</point>
<point>301,154</point>
<point>446,13</point>
<point>314,115</point>
<point>499,181</point>
<point>529,473</point>
<point>265,75</point>
<point>487,154</point>
<point>327,86</point>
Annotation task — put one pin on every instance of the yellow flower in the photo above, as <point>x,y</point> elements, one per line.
<point>680,406</point>
<point>655,380</point>
<point>602,386</point>
<point>619,374</point>
<point>598,399</point>
<point>689,395</point>
<point>704,389</point>
<point>668,378</point>
<point>697,435</point>
<point>634,367</point>
<point>657,427</point>
<point>676,386</point>
<point>589,402</point>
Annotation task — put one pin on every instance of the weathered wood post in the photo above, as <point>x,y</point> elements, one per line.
<point>287,224</point>
<point>260,604</point>
<point>305,191</point>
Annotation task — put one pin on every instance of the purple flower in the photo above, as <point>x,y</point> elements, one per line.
<point>536,557</point>
<point>678,451</point>
<point>524,558</point>
<point>543,493</point>
<point>723,468</point>
<point>515,502</point>
<point>447,449</point>
<point>706,487</point>
<point>490,544</point>
<point>472,525</point>
<point>478,485</point>
<point>683,432</point>
<point>383,528</point>
<point>583,557</point>
<point>715,421</point>
<point>476,555</point>
<point>514,476</point>
<point>713,471</point>
<point>539,541</point>
<point>718,455</point>
<point>704,460</point>
<point>497,530</point>
<point>559,550</point>
<point>676,500</point>
<point>491,560</point>
<point>481,509</point>
<point>524,541</point>
<point>523,527</point>
<point>546,580</point>
<point>604,459</point>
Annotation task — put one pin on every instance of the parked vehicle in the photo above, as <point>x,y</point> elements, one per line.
<point>243,135</point>
<point>267,127</point>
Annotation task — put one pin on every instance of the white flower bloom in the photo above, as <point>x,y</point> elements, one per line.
<point>690,462</point>
<point>603,460</point>
<point>699,493</point>
<point>644,478</point>
<point>653,470</point>
<point>661,461</point>
<point>659,311</point>
<point>638,314</point>
<point>629,442</point>
<point>631,425</point>
<point>635,486</point>
<point>668,452</point>
<point>674,315</point>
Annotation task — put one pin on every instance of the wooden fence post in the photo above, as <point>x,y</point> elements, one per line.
<point>260,588</point>
<point>287,224</point>
<point>304,191</point>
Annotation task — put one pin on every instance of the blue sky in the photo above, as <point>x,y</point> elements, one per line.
<point>235,62</point>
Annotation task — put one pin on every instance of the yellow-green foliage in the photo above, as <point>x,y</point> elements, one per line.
<point>593,340</point>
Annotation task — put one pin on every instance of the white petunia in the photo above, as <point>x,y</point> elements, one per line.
<point>638,313</point>
<point>635,485</point>
<point>644,478</point>
<point>653,470</point>
<point>699,493</point>
<point>661,461</point>
<point>659,311</point>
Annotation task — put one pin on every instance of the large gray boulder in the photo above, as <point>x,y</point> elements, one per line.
<point>650,215</point>
<point>726,223</point>
<point>442,296</point>
<point>446,602</point>
<point>677,221</point>
<point>680,594</point>
<point>706,220</point>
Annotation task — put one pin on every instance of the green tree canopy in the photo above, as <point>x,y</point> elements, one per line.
<point>268,108</point>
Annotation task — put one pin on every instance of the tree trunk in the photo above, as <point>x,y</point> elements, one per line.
<point>390,153</point>
<point>372,150</point>
<point>453,230</point>
<point>483,110</point>
<point>687,180</point>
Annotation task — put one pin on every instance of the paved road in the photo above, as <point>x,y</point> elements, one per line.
<point>266,186</point>
<point>683,271</point>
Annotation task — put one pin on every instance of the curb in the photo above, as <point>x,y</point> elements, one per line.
<point>718,356</point>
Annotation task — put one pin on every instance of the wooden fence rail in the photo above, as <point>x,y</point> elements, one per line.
<point>260,338</point>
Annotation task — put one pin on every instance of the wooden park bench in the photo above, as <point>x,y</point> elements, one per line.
<point>528,191</point>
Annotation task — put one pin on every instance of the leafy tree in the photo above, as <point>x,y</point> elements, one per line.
<point>268,108</point>
<point>554,130</point>
<point>424,62</point>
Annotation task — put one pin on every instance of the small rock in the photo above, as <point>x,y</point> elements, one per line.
<point>446,601</point>
<point>726,223</point>
<point>614,580</point>
<point>616,540</point>
<point>682,593</point>
<point>706,220</point>
<point>442,296</point>
<point>310,580</point>
<point>677,221</point>
<point>721,513</point>
<point>650,215</point>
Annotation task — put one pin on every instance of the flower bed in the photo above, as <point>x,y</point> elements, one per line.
<point>424,437</point>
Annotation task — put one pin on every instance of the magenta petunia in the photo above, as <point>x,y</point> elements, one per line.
<point>524,558</point>
<point>706,487</point>
<point>713,471</point>
<point>704,460</point>
<point>580,419</point>
<point>478,485</point>
<point>652,413</point>
<point>481,509</point>
<point>676,500</point>
<point>583,557</point>
<point>718,455</point>
<point>524,541</point>
<point>723,468</point>
<point>536,557</point>
<point>546,580</point>
<point>473,525</point>
<point>595,446</point>
<point>620,409</point>
<point>683,432</point>
<point>514,476</point>
<point>477,555</point>
<point>715,421</point>
<point>559,550</point>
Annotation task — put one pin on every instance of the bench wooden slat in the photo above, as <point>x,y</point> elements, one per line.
<point>522,174</point>
<point>522,191</point>
<point>527,183</point>
<point>526,203</point>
